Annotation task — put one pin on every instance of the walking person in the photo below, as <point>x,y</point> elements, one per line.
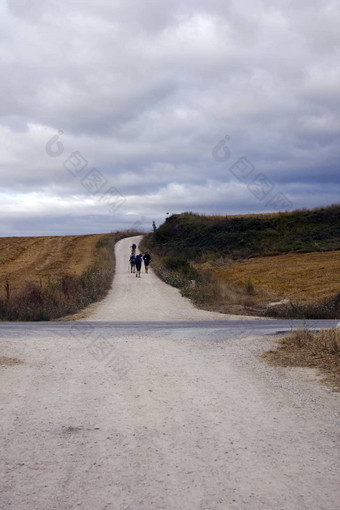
<point>138,264</point>
<point>132,261</point>
<point>146,259</point>
<point>133,249</point>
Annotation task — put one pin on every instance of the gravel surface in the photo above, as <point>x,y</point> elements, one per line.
<point>146,298</point>
<point>96,418</point>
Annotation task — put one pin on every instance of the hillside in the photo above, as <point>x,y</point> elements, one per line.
<point>242,263</point>
<point>302,231</point>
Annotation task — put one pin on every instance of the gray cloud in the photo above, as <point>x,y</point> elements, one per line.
<point>144,91</point>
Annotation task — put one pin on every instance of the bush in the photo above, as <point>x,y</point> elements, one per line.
<point>250,289</point>
<point>176,264</point>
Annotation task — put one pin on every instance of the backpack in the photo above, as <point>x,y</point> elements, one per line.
<point>133,259</point>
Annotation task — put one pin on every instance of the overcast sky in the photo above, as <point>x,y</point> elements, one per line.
<point>114,113</point>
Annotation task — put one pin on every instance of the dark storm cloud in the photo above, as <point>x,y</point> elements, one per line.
<point>144,90</point>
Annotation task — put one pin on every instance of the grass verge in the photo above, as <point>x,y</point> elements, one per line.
<point>203,289</point>
<point>305,348</point>
<point>211,294</point>
<point>325,309</point>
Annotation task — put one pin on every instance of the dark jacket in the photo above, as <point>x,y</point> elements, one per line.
<point>138,261</point>
<point>146,258</point>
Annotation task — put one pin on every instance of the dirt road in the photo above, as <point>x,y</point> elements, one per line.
<point>102,417</point>
<point>146,298</point>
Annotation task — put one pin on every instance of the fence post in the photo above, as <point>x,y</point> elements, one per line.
<point>7,288</point>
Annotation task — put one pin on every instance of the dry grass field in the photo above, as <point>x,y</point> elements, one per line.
<point>44,278</point>
<point>300,277</point>
<point>35,259</point>
<point>313,349</point>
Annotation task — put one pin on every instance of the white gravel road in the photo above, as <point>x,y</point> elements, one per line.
<point>102,418</point>
<point>146,298</point>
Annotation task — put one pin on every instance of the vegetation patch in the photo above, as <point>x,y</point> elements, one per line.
<point>193,235</point>
<point>325,309</point>
<point>311,349</point>
<point>172,270</point>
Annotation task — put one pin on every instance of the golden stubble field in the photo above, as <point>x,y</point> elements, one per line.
<point>297,276</point>
<point>35,259</point>
<point>300,277</point>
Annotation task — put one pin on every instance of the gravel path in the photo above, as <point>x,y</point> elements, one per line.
<point>172,418</point>
<point>164,422</point>
<point>146,298</point>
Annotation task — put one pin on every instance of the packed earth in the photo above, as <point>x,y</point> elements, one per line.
<point>100,415</point>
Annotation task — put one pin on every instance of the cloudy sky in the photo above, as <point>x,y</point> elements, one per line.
<point>114,113</point>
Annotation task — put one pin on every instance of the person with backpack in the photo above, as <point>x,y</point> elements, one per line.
<point>146,259</point>
<point>133,249</point>
<point>132,261</point>
<point>138,264</point>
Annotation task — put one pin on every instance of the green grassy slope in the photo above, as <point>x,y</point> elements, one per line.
<point>192,235</point>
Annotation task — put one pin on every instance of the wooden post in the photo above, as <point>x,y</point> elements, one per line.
<point>7,288</point>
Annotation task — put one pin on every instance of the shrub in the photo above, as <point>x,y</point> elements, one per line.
<point>250,289</point>
<point>176,263</point>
